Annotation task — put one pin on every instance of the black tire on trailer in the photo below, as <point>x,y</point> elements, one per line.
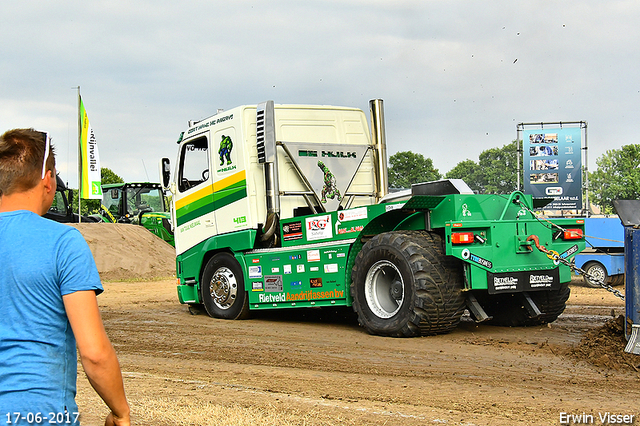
<point>617,279</point>
<point>508,309</point>
<point>222,288</point>
<point>403,285</point>
<point>598,274</point>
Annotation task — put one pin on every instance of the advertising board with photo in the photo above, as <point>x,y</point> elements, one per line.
<point>552,162</point>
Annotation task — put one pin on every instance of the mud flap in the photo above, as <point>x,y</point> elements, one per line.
<point>531,306</point>
<point>476,309</point>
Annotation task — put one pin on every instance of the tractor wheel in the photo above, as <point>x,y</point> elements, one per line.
<point>598,274</point>
<point>508,309</point>
<point>223,292</point>
<point>403,285</point>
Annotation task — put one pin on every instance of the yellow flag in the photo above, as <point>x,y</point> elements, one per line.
<point>89,159</point>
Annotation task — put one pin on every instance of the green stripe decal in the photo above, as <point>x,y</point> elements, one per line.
<point>211,203</point>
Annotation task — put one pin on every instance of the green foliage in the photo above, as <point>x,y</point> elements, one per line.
<point>499,166</point>
<point>470,172</point>
<point>108,176</point>
<point>406,168</point>
<point>495,172</point>
<point>617,177</point>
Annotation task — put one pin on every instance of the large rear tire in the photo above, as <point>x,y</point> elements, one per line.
<point>223,292</point>
<point>403,285</point>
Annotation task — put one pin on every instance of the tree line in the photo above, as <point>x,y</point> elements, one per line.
<point>617,175</point>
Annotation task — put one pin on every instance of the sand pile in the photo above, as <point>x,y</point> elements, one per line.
<point>128,252</point>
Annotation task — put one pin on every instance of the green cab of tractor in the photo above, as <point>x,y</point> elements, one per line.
<point>138,203</point>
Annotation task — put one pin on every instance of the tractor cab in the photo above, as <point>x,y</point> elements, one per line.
<point>138,203</point>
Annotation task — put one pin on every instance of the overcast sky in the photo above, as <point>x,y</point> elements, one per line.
<point>456,76</point>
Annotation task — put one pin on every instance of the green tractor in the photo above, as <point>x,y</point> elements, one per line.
<point>139,203</point>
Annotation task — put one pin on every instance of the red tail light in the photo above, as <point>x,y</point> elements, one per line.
<point>462,237</point>
<point>572,234</point>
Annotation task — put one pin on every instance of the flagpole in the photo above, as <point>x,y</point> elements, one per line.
<point>79,156</point>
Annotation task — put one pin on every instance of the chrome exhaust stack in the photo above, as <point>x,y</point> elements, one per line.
<point>379,141</point>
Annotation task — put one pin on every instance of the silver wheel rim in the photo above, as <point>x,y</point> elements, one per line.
<point>384,289</point>
<point>597,274</point>
<point>223,288</point>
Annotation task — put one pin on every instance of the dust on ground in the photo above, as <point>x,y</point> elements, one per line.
<point>315,367</point>
<point>604,347</point>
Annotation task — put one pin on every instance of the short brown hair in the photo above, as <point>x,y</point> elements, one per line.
<point>21,157</point>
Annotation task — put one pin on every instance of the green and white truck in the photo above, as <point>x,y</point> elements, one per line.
<point>287,206</point>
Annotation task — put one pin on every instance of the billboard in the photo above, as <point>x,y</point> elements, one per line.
<point>552,163</point>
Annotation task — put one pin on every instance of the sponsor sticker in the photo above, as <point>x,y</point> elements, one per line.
<point>273,283</point>
<point>352,214</point>
<point>318,228</point>
<point>315,282</point>
<point>569,252</point>
<point>255,272</point>
<point>390,207</point>
<point>313,255</point>
<point>292,231</point>
<point>519,281</point>
<point>330,268</point>
<point>467,255</point>
<point>541,280</point>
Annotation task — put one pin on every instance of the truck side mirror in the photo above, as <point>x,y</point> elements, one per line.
<point>165,172</point>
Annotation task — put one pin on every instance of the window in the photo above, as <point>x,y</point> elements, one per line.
<point>194,164</point>
<point>111,200</point>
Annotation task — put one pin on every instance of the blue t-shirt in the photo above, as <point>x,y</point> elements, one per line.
<point>40,261</point>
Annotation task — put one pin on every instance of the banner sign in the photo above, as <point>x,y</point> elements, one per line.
<point>90,184</point>
<point>553,166</point>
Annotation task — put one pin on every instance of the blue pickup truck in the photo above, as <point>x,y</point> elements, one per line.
<point>603,257</point>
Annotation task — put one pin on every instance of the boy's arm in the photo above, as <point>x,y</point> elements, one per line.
<point>97,354</point>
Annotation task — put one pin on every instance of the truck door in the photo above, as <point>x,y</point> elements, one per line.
<point>230,181</point>
<point>194,213</point>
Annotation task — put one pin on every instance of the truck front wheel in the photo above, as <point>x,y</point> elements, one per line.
<point>403,285</point>
<point>223,292</point>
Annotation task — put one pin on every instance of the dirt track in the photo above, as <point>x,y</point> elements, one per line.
<point>320,368</point>
<point>317,368</point>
